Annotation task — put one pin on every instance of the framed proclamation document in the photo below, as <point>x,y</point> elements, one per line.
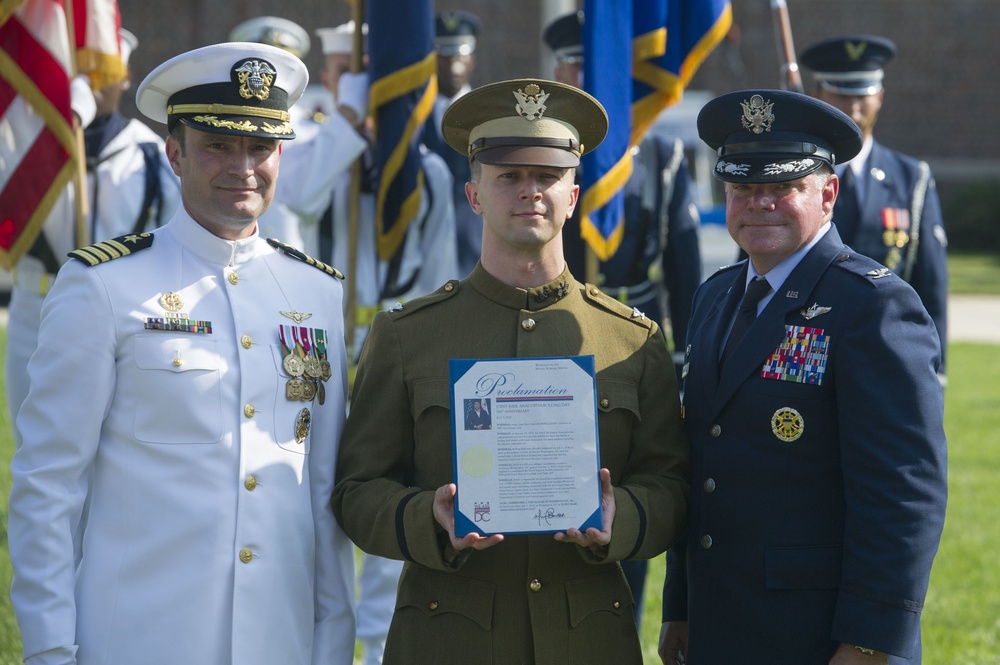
<point>524,443</point>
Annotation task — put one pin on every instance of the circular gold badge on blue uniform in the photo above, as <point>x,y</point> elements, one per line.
<point>787,424</point>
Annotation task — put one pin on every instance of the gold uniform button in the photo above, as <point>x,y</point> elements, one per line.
<point>178,362</point>
<point>246,341</point>
<point>616,605</point>
<point>246,555</point>
<point>447,287</point>
<point>535,585</point>
<point>250,483</point>
<point>594,291</point>
<point>528,324</point>
<point>715,431</point>
<point>248,411</point>
<point>433,605</point>
<point>605,403</point>
<point>233,277</point>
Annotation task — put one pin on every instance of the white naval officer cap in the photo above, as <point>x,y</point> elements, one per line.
<point>237,88</point>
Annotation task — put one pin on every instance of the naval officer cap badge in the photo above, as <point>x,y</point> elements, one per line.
<point>763,136</point>
<point>237,88</point>
<point>525,122</point>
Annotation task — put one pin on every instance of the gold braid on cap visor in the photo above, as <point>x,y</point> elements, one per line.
<point>230,109</point>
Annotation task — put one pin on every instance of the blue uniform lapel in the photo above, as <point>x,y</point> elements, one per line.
<point>769,329</point>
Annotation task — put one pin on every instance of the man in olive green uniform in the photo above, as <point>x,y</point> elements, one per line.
<point>539,598</point>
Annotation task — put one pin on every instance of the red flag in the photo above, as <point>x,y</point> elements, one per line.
<point>37,144</point>
<point>39,153</point>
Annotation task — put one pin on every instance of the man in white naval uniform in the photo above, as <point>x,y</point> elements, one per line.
<point>189,387</point>
<point>321,151</point>
<point>130,188</point>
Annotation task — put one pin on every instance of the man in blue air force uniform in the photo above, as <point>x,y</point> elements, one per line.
<point>815,510</point>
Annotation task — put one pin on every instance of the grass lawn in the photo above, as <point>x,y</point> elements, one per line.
<point>961,621</point>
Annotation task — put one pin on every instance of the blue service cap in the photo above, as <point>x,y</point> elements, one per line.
<point>565,37</point>
<point>455,32</point>
<point>851,65</point>
<point>765,136</point>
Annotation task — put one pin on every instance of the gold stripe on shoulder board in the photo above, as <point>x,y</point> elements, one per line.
<point>305,258</point>
<point>115,248</point>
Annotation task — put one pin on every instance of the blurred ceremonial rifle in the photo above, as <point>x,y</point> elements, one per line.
<point>791,78</point>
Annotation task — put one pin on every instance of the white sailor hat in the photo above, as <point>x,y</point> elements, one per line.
<point>525,122</point>
<point>340,40</point>
<point>274,31</point>
<point>238,88</point>
<point>127,43</point>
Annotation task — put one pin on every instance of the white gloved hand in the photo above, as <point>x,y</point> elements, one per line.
<point>81,99</point>
<point>352,93</point>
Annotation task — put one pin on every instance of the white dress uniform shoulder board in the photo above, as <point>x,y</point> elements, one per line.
<point>106,250</point>
<point>305,258</point>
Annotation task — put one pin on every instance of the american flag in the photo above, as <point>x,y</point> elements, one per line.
<point>39,149</point>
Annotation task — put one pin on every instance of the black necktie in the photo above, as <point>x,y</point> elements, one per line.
<point>847,210</point>
<point>745,315</point>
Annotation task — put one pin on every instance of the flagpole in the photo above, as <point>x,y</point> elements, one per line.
<point>354,193</point>
<point>81,235</point>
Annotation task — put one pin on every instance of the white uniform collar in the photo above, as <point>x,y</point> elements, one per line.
<point>196,239</point>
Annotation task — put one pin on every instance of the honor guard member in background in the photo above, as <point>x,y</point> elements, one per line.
<point>130,189</point>
<point>325,145</point>
<point>815,511</point>
<point>888,205</point>
<point>456,32</point>
<point>517,598</point>
<point>426,259</point>
<point>189,391</point>
<point>659,260</point>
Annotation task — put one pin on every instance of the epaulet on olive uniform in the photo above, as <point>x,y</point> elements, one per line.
<point>106,250</point>
<point>447,290</point>
<point>305,258</point>
<point>597,297</point>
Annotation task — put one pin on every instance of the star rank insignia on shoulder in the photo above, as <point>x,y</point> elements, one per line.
<point>104,251</point>
<point>305,258</point>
